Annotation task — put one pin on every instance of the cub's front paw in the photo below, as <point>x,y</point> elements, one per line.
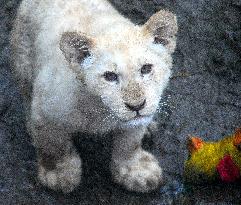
<point>141,173</point>
<point>64,177</point>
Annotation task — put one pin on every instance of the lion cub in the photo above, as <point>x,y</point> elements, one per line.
<point>82,67</point>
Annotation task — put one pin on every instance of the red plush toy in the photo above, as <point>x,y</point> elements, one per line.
<point>210,161</point>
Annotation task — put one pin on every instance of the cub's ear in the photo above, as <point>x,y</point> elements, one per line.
<point>75,46</point>
<point>163,27</point>
<point>194,144</point>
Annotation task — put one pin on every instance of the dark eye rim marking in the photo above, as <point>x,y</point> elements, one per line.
<point>110,76</point>
<point>159,40</point>
<point>146,69</point>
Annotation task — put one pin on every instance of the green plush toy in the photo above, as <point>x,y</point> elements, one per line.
<point>212,161</point>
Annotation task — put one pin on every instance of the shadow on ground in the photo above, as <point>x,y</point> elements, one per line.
<point>203,98</point>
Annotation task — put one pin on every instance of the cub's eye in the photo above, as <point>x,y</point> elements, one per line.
<point>147,68</point>
<point>110,76</point>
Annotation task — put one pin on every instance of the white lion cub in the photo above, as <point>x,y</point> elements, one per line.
<point>82,67</point>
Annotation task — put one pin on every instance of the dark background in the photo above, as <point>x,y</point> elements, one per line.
<point>203,98</point>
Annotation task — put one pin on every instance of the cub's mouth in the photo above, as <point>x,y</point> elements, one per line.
<point>138,120</point>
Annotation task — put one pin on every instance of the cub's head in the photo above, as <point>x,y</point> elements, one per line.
<point>128,66</point>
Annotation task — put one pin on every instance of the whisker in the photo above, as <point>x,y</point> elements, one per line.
<point>165,106</point>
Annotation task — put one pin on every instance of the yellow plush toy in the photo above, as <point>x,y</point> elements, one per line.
<point>211,161</point>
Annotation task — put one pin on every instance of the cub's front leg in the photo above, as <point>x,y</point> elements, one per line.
<point>59,165</point>
<point>131,166</point>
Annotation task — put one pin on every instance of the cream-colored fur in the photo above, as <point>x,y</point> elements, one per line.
<point>62,50</point>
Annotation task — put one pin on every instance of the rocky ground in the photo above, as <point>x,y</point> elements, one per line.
<point>203,98</point>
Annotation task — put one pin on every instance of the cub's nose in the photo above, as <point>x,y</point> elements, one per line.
<point>136,107</point>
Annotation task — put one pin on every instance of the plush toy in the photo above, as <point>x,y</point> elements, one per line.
<point>212,161</point>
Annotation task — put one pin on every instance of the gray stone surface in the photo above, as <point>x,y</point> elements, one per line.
<point>203,98</point>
